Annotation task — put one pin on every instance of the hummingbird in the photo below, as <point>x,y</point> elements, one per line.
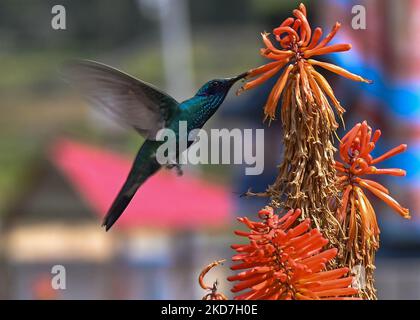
<point>147,109</point>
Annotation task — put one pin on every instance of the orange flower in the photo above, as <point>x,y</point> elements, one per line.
<point>297,44</point>
<point>355,149</point>
<point>283,263</point>
<point>213,294</point>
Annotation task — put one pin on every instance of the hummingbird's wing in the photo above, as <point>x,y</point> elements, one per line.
<point>131,101</point>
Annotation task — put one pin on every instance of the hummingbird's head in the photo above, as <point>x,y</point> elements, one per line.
<point>216,90</point>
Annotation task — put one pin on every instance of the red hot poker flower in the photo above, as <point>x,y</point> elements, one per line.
<point>355,152</point>
<point>283,263</point>
<point>297,44</point>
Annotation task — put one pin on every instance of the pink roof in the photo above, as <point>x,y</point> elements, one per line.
<point>165,200</point>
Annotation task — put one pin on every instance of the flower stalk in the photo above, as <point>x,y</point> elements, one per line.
<point>356,213</point>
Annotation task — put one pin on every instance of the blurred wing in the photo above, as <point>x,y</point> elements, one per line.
<point>129,100</point>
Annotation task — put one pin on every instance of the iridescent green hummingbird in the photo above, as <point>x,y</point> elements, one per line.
<point>146,109</point>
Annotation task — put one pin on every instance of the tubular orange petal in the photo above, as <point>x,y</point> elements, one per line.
<point>302,8</point>
<point>315,39</point>
<point>269,45</point>
<point>344,202</point>
<point>274,97</point>
<point>326,50</point>
<point>287,22</point>
<point>307,32</point>
<point>376,136</point>
<point>392,172</point>
<point>305,82</point>
<point>342,179</point>
<point>351,134</point>
<point>315,89</point>
<point>266,76</point>
<point>264,68</point>
<point>372,213</point>
<point>283,56</point>
<point>352,222</point>
<point>290,31</point>
<point>372,183</point>
<point>338,70</point>
<point>300,296</point>
<point>297,25</point>
<point>335,284</point>
<point>347,141</point>
<point>330,36</point>
<point>327,275</point>
<point>405,213</point>
<point>363,208</point>
<point>328,90</point>
<point>337,292</point>
<point>401,148</point>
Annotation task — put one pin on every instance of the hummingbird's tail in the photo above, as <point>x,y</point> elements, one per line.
<point>139,173</point>
<point>117,208</point>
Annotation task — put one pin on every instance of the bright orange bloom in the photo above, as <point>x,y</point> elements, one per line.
<point>355,151</point>
<point>297,43</point>
<point>283,263</point>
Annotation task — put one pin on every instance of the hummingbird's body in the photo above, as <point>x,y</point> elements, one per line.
<point>148,110</point>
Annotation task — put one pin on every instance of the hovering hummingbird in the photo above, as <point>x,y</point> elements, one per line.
<point>148,110</point>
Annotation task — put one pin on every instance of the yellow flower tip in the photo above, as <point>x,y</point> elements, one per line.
<point>240,91</point>
<point>302,8</point>
<point>269,118</point>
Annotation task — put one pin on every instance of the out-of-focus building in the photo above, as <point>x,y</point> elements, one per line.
<point>153,252</point>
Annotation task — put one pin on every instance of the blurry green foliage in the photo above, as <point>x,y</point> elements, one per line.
<point>273,6</point>
<point>36,107</point>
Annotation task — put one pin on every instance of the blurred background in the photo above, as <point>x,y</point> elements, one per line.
<point>61,163</point>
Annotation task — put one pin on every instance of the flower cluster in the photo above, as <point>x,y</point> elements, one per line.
<point>297,44</point>
<point>355,152</point>
<point>282,262</point>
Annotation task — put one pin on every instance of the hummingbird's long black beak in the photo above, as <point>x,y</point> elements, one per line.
<point>237,78</point>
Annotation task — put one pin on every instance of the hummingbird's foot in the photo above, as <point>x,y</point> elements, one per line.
<point>177,167</point>
<point>179,171</point>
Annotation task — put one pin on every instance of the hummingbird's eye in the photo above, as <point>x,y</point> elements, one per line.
<point>214,86</point>
<point>211,88</point>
